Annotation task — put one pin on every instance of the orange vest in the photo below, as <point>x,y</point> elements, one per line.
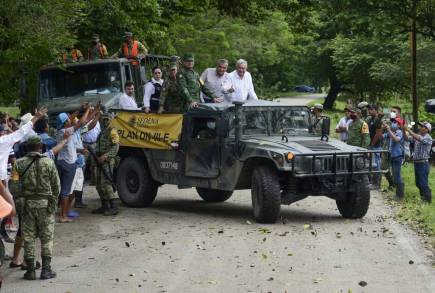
<point>74,56</point>
<point>133,53</point>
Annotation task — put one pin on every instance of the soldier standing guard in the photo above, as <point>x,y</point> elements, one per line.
<point>190,84</point>
<point>318,119</point>
<point>107,147</point>
<point>358,130</point>
<point>40,190</point>
<point>131,49</point>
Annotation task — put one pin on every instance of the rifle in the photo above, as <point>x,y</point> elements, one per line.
<point>100,166</point>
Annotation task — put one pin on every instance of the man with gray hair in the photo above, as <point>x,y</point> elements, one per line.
<point>242,86</point>
<point>216,79</point>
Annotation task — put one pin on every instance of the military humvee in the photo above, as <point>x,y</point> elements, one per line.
<point>261,145</point>
<point>64,87</point>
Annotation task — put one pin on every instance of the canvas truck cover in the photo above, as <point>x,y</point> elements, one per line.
<point>153,131</point>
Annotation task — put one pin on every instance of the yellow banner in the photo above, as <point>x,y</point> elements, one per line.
<point>154,131</point>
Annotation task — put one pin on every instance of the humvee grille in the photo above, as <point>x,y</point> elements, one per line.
<point>316,145</point>
<point>342,164</point>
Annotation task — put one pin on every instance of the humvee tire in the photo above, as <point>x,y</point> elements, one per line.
<point>265,194</point>
<point>136,187</point>
<point>357,202</point>
<point>213,195</point>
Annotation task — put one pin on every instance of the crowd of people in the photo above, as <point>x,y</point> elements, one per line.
<point>366,125</point>
<point>46,173</point>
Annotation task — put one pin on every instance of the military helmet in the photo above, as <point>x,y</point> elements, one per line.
<point>318,106</point>
<point>34,140</point>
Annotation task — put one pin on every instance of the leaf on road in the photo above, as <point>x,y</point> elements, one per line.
<point>411,262</point>
<point>127,244</point>
<point>264,230</point>
<point>362,283</point>
<point>163,243</point>
<point>307,226</point>
<point>270,279</point>
<point>349,291</point>
<point>317,280</point>
<point>212,282</point>
<point>283,234</point>
<point>264,256</point>
<point>338,235</point>
<point>248,222</point>
<point>289,254</point>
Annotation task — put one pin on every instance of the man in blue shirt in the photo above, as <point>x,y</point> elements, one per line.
<point>422,144</point>
<point>395,145</point>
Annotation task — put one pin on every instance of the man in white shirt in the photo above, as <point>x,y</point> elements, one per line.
<point>127,101</point>
<point>152,91</point>
<point>7,141</point>
<point>241,81</point>
<point>343,124</point>
<point>216,79</point>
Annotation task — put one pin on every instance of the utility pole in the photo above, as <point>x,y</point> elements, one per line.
<point>414,60</point>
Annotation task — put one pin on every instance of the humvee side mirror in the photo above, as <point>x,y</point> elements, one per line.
<point>326,124</point>
<point>222,127</point>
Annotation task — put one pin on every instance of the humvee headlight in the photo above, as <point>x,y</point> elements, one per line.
<point>359,163</point>
<point>278,158</point>
<point>290,156</point>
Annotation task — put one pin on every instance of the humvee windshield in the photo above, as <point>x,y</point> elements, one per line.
<point>275,121</point>
<point>79,81</point>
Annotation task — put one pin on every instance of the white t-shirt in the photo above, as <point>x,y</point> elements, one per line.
<point>243,87</point>
<point>127,103</point>
<point>344,122</point>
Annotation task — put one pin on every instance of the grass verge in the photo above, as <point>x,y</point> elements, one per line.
<point>13,111</point>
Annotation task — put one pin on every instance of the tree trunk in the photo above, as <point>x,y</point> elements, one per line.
<point>334,89</point>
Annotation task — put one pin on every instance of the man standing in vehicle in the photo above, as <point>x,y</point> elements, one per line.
<point>170,98</point>
<point>217,80</point>
<point>153,89</point>
<point>318,119</point>
<point>131,49</point>
<point>127,100</point>
<point>97,50</point>
<point>241,81</point>
<point>190,84</point>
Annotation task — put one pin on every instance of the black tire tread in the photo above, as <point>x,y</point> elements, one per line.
<point>271,190</point>
<point>149,186</point>
<point>357,203</point>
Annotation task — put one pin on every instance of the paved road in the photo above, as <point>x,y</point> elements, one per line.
<point>300,100</point>
<point>182,244</point>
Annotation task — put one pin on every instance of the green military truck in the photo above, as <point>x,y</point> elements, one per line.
<point>64,87</point>
<point>261,145</point>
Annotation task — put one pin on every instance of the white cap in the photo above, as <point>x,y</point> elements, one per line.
<point>25,119</point>
<point>426,125</point>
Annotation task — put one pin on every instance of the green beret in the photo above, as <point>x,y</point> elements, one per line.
<point>188,57</point>
<point>34,140</point>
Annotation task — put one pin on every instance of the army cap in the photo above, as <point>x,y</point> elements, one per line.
<point>128,34</point>
<point>362,105</point>
<point>188,57</point>
<point>173,66</point>
<point>318,106</point>
<point>34,140</point>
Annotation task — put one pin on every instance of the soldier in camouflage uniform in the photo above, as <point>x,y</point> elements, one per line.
<point>317,119</point>
<point>358,130</point>
<point>38,202</point>
<point>170,99</point>
<point>190,84</point>
<point>363,106</point>
<point>107,147</point>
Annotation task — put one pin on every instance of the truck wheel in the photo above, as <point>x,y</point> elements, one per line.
<point>213,195</point>
<point>266,194</point>
<point>136,187</point>
<point>357,202</point>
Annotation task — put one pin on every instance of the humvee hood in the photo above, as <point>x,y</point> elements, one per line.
<point>305,145</point>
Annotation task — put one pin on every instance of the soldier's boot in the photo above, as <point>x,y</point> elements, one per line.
<point>47,272</point>
<point>427,196</point>
<point>30,274</point>
<point>376,181</point>
<point>400,191</point>
<point>101,209</point>
<point>112,210</point>
<point>79,200</point>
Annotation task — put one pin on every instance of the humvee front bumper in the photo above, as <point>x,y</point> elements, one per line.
<point>336,164</point>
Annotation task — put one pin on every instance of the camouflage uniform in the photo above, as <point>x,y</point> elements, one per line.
<point>358,133</point>
<point>107,145</point>
<point>190,84</point>
<point>170,99</point>
<point>38,201</point>
<point>317,126</point>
